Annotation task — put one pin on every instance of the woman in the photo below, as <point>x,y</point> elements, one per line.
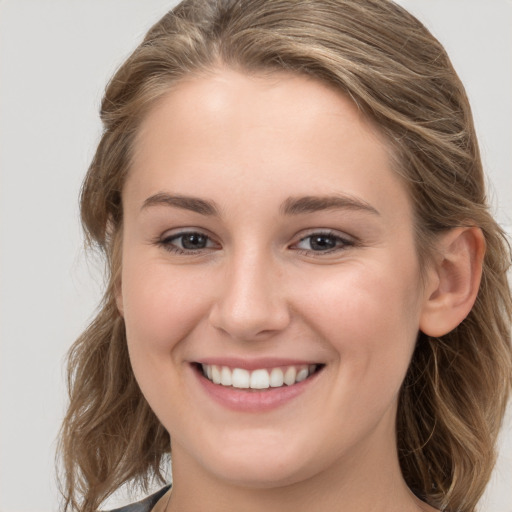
<point>307,297</point>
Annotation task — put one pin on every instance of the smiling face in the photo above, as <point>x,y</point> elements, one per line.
<point>268,241</point>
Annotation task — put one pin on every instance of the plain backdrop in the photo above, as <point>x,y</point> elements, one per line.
<point>55,59</point>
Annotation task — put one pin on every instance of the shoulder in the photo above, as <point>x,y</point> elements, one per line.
<point>146,504</point>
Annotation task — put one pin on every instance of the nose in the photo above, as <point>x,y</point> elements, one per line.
<point>251,302</point>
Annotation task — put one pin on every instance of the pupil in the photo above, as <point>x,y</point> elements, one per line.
<point>322,243</point>
<point>194,241</point>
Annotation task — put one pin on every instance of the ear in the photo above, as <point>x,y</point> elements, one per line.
<point>453,281</point>
<point>117,263</point>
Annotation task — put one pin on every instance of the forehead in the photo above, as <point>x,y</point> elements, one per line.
<point>224,100</point>
<point>271,133</point>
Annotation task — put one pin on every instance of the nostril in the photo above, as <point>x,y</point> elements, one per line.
<point>246,323</point>
<point>249,305</point>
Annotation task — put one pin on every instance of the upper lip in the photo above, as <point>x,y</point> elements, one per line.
<point>256,363</point>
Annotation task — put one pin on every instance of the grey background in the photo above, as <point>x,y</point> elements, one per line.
<point>55,58</point>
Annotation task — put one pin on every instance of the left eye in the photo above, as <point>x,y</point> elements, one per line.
<point>322,242</point>
<point>187,241</point>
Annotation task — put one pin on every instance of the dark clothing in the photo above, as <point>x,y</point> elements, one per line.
<point>146,504</point>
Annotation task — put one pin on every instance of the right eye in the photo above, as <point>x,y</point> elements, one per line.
<point>187,242</point>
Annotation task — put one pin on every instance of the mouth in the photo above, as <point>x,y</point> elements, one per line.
<point>258,379</point>
<point>256,386</point>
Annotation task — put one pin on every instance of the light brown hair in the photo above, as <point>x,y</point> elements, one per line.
<point>454,395</point>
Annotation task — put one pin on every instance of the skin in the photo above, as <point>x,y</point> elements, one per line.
<point>259,289</point>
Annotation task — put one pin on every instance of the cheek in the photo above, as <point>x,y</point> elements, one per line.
<point>370,316</point>
<point>161,308</point>
<point>161,305</point>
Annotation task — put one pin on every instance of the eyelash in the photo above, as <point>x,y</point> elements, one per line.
<point>340,243</point>
<point>168,242</point>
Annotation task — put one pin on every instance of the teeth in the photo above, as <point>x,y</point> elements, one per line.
<point>257,379</point>
<point>302,375</point>
<point>260,379</point>
<point>225,376</point>
<point>276,378</point>
<point>216,375</point>
<point>241,378</point>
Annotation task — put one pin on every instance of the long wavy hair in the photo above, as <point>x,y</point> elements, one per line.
<point>454,395</point>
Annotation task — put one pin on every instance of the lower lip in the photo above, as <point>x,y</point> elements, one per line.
<point>254,400</point>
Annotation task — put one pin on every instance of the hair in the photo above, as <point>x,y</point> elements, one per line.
<point>455,393</point>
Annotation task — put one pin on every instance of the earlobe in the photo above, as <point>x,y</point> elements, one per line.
<point>454,280</point>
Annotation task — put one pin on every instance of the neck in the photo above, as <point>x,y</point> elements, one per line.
<point>356,483</point>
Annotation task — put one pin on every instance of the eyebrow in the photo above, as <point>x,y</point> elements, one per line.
<point>311,204</point>
<point>201,206</point>
<point>291,206</point>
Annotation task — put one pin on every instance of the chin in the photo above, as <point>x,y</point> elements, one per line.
<point>260,465</point>
<point>266,474</point>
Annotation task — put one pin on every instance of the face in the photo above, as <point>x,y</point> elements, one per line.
<point>270,285</point>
